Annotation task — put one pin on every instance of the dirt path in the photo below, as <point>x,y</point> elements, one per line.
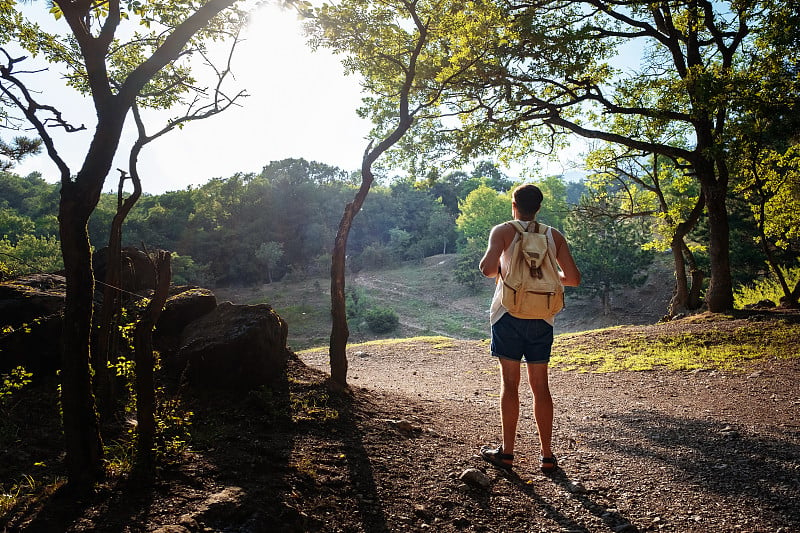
<point>646,451</point>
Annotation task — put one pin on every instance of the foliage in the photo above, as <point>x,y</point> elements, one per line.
<point>19,148</point>
<point>268,254</point>
<point>356,303</point>
<point>381,319</point>
<point>481,210</point>
<point>554,208</point>
<point>562,72</point>
<point>766,288</point>
<point>31,254</point>
<point>173,420</point>
<point>10,383</point>
<point>186,272</point>
<point>609,254</point>
<point>361,310</point>
<point>466,271</point>
<point>410,55</point>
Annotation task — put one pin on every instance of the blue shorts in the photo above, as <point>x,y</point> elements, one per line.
<point>519,338</point>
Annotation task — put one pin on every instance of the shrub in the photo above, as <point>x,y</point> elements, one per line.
<point>764,289</point>
<point>381,320</point>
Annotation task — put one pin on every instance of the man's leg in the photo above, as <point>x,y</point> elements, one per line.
<point>509,402</point>
<point>542,405</point>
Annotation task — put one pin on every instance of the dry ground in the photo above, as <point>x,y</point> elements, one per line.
<point>639,451</point>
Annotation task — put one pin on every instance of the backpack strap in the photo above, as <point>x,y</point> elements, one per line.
<point>517,226</point>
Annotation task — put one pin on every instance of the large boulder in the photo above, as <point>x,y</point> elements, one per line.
<point>137,273</point>
<point>28,298</point>
<point>185,304</point>
<point>233,347</point>
<point>31,319</point>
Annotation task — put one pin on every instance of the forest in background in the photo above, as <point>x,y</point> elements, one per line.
<point>251,229</point>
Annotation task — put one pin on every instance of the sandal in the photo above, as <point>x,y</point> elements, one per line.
<point>496,457</point>
<point>549,464</point>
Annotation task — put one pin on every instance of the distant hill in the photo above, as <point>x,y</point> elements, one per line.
<point>429,301</point>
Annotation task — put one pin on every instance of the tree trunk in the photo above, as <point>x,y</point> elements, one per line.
<point>145,383</point>
<point>79,197</point>
<point>84,447</point>
<point>340,332</point>
<point>111,295</point>
<point>795,296</point>
<point>719,297</point>
<point>695,302</point>
<point>680,299</point>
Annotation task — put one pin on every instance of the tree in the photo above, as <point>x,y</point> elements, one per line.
<point>766,152</point>
<point>554,206</point>
<point>610,254</point>
<point>554,74</point>
<point>269,253</point>
<point>482,209</point>
<point>410,53</point>
<point>114,73</point>
<point>656,189</point>
<point>19,148</point>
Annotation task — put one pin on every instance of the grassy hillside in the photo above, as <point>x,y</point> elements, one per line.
<point>429,301</point>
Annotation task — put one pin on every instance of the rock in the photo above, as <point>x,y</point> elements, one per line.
<point>474,477</point>
<point>137,273</point>
<point>234,346</point>
<point>27,298</point>
<point>222,506</point>
<point>625,528</point>
<point>185,304</point>
<point>576,488</point>
<point>32,311</point>
<point>404,426</point>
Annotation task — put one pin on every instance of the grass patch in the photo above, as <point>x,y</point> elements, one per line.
<point>694,347</point>
<point>422,295</point>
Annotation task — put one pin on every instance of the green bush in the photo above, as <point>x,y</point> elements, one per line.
<point>13,382</point>
<point>764,289</point>
<point>381,320</point>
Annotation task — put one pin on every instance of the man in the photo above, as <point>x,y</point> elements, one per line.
<point>515,339</point>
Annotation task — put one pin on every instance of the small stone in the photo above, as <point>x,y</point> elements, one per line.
<point>576,488</point>
<point>475,477</point>
<point>729,431</point>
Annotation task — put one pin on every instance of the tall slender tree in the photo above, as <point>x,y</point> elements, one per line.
<point>114,73</point>
<point>410,54</point>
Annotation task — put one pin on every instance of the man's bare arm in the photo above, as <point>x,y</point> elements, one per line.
<point>490,262</point>
<point>570,275</point>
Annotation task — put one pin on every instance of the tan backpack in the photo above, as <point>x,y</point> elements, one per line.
<point>531,286</point>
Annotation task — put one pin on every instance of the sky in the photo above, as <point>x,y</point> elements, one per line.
<point>300,105</point>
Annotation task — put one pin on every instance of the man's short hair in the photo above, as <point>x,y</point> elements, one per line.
<point>528,199</point>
